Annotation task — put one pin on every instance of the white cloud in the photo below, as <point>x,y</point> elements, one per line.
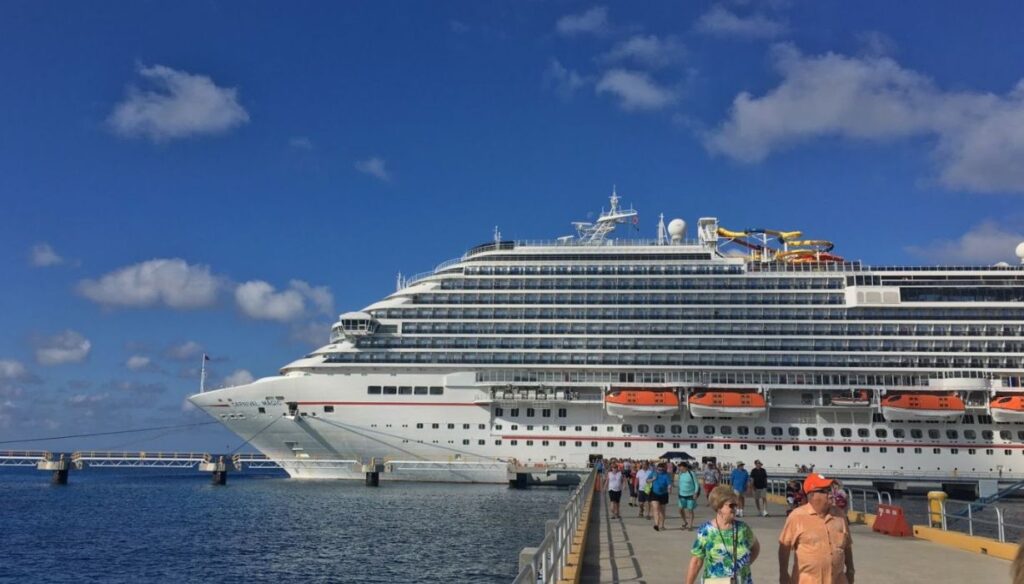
<point>66,347</point>
<point>87,399</point>
<point>565,82</point>
<point>985,243</point>
<point>238,377</point>
<point>43,255</point>
<point>314,334</point>
<point>979,136</point>
<point>184,351</point>
<point>139,363</point>
<point>647,51</point>
<point>374,166</point>
<point>635,90</point>
<point>720,22</point>
<point>11,369</point>
<point>300,142</point>
<point>593,21</point>
<point>876,44</point>
<point>258,299</point>
<point>178,105</point>
<point>170,282</point>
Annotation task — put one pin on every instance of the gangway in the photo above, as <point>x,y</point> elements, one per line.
<point>982,502</point>
<point>99,459</point>
<point>23,457</point>
<point>254,461</point>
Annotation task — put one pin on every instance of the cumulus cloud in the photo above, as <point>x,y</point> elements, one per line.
<point>65,347</point>
<point>168,282</point>
<point>635,90</point>
<point>258,299</point>
<point>184,351</point>
<point>979,137</point>
<point>176,105</point>
<point>375,167</point>
<point>985,243</point>
<point>719,21</point>
<point>593,21</point>
<point>238,377</point>
<point>11,369</point>
<point>87,399</point>
<point>42,255</point>
<point>140,363</point>
<point>647,51</point>
<point>563,81</point>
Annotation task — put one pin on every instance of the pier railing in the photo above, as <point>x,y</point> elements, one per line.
<point>860,500</point>
<point>961,516</point>
<point>548,562</point>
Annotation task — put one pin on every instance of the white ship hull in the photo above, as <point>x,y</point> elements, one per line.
<point>399,430</point>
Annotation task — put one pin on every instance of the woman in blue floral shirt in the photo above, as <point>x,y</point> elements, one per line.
<point>724,547</point>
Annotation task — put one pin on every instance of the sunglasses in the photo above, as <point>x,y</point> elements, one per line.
<point>732,506</point>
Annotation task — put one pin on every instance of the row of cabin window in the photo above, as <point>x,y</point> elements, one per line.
<point>792,431</point>
<point>530,412</point>
<point>404,390</point>
<point>883,449</point>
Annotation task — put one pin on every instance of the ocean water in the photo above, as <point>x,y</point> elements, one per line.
<point>148,525</point>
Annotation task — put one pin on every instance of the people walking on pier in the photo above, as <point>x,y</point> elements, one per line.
<point>711,478</point>
<point>627,477</point>
<point>660,488</point>
<point>819,539</point>
<point>759,476</point>
<point>688,489</point>
<point>643,490</point>
<point>794,495</point>
<point>613,484</point>
<point>725,547</point>
<point>740,480</point>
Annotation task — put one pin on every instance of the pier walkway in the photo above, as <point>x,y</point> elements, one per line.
<point>629,550</point>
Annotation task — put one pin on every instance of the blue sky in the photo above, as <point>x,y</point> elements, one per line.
<point>226,177</point>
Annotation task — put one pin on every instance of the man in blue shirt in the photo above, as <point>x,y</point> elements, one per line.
<point>739,478</point>
<point>660,487</point>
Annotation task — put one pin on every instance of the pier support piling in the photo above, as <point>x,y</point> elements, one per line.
<point>373,471</point>
<point>219,471</point>
<point>60,469</point>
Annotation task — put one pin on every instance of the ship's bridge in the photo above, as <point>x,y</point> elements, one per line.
<point>354,324</point>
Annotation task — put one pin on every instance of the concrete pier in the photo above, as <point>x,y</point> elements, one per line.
<point>629,550</point>
<point>373,470</point>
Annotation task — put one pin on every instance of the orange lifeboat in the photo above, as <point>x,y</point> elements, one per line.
<point>745,403</point>
<point>922,406</point>
<point>857,398</point>
<point>1007,408</point>
<point>640,401</point>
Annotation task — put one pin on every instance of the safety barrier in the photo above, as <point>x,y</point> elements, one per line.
<point>547,562</point>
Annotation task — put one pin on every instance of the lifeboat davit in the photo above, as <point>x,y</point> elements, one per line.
<point>858,398</point>
<point>1007,408</point>
<point>727,403</point>
<point>903,407</point>
<point>641,401</point>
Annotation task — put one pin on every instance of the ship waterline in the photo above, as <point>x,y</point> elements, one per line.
<point>554,352</point>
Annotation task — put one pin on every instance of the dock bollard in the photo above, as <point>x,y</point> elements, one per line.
<point>935,500</point>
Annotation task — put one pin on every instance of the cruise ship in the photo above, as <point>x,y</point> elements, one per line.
<point>734,345</point>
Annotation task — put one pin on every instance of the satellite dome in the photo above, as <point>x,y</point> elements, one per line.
<point>677,228</point>
<point>1020,249</point>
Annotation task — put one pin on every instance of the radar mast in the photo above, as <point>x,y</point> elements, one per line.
<point>597,231</point>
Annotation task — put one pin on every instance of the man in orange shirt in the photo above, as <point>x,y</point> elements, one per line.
<point>818,537</point>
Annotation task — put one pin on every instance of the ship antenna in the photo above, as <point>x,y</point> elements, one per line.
<point>662,232</point>
<point>497,235</point>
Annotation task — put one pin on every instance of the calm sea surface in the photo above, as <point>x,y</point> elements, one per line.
<point>173,526</point>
